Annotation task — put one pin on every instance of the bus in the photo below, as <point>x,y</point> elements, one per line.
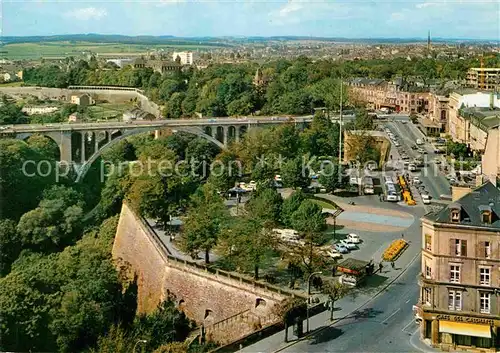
<point>390,192</point>
<point>368,185</point>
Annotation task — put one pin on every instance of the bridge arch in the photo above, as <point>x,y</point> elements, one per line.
<point>118,135</point>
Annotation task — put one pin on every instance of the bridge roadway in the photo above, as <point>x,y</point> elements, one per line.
<point>57,127</point>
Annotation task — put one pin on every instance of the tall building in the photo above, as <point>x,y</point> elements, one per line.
<point>487,78</point>
<point>429,41</point>
<point>185,57</point>
<point>459,301</point>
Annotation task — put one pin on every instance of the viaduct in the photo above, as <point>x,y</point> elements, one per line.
<point>80,144</point>
<point>228,306</point>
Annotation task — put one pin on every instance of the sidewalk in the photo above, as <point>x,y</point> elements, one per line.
<point>343,307</point>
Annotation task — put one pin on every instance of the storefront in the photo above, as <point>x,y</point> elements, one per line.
<point>460,332</point>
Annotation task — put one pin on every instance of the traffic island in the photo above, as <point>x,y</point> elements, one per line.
<point>395,250</point>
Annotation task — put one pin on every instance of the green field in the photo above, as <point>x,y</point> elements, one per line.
<point>65,49</point>
<point>106,111</point>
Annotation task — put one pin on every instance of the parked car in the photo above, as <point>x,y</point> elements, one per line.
<point>353,238</point>
<point>416,180</point>
<point>334,254</point>
<point>341,248</point>
<point>348,244</point>
<point>426,199</point>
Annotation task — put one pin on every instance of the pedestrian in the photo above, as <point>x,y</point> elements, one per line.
<point>392,264</point>
<point>402,235</point>
<point>380,267</point>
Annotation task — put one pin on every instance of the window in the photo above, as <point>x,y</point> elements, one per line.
<point>484,276</point>
<point>455,216</point>
<point>428,271</point>
<point>484,303</point>
<point>455,300</point>
<point>486,249</point>
<point>455,273</point>
<point>428,239</point>
<point>427,296</point>
<point>486,216</point>
<point>458,247</point>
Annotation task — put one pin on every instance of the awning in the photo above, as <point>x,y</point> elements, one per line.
<point>465,329</point>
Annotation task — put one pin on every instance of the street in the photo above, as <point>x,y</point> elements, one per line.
<point>386,324</point>
<point>434,182</point>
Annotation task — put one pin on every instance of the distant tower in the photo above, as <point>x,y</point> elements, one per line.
<point>429,41</point>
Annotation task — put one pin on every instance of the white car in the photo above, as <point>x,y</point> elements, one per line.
<point>416,180</point>
<point>348,244</point>
<point>334,254</point>
<point>341,248</point>
<point>426,199</point>
<point>353,238</point>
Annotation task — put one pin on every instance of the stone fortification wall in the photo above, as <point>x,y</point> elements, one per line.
<point>219,300</point>
<point>63,94</point>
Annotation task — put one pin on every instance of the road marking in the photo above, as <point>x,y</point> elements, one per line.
<point>394,313</point>
<point>406,302</point>
<point>404,328</point>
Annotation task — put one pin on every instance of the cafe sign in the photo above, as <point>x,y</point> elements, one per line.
<point>468,319</point>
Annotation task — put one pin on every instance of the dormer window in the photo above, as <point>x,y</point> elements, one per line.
<point>455,211</point>
<point>486,217</point>
<point>485,214</point>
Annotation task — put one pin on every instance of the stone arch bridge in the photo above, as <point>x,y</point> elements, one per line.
<point>80,144</point>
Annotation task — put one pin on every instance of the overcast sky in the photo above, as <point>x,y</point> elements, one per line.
<point>328,18</point>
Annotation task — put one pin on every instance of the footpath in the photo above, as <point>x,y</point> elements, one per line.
<point>344,307</point>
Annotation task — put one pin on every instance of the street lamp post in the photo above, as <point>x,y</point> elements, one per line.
<point>308,297</point>
<point>136,343</point>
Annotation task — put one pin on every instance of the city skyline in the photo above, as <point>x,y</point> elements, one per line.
<point>185,18</point>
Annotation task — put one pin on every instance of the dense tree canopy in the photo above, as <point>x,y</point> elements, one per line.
<point>288,86</point>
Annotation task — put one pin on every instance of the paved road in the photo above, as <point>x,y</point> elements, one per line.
<point>153,123</point>
<point>386,324</point>
<point>433,180</point>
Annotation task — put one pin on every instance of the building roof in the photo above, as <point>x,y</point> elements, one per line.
<point>485,197</point>
<point>367,81</point>
<point>484,118</point>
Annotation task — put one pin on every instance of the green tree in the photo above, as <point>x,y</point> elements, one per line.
<point>173,108</point>
<point>331,177</point>
<point>265,205</point>
<point>10,245</point>
<point>290,205</point>
<point>253,241</point>
<point>44,146</point>
<point>55,222</point>
<point>363,121</point>
<point>205,219</point>
<point>121,152</point>
<point>295,173</point>
<point>334,290</point>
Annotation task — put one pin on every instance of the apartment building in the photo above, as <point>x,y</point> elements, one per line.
<point>459,283</point>
<point>185,57</point>
<point>438,110</point>
<point>485,78</point>
<point>470,115</point>
<point>397,95</point>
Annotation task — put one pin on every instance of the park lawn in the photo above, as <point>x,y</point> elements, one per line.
<point>322,204</point>
<point>109,110</point>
